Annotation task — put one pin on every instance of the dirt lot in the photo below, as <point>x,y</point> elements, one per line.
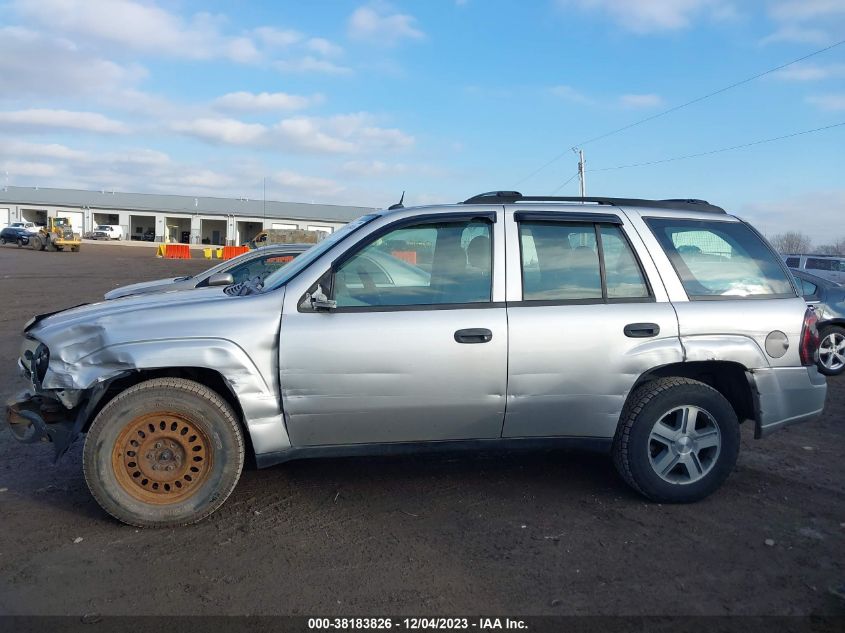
<point>550,533</point>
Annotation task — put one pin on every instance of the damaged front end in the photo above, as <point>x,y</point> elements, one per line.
<point>49,415</point>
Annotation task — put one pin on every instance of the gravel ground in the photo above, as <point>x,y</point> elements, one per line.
<point>550,533</point>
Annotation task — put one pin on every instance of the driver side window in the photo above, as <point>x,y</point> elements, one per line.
<point>425,264</point>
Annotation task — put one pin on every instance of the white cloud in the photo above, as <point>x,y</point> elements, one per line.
<point>306,134</point>
<point>641,101</point>
<point>140,26</point>
<point>340,134</point>
<point>811,72</point>
<point>802,10</point>
<point>806,21</point>
<point>323,47</point>
<point>40,150</point>
<point>32,64</point>
<point>649,16</point>
<point>28,168</point>
<point>798,35</point>
<point>39,119</point>
<point>569,94</point>
<point>222,130</point>
<point>265,101</point>
<point>310,64</point>
<point>372,168</point>
<point>306,185</point>
<point>790,214</point>
<point>378,23</point>
<point>278,38</point>
<point>830,102</point>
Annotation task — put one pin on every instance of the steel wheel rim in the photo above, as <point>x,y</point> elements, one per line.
<point>832,351</point>
<point>162,458</point>
<point>684,445</point>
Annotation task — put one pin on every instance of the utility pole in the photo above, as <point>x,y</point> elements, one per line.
<point>582,176</point>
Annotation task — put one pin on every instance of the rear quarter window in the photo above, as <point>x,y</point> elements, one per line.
<point>721,260</point>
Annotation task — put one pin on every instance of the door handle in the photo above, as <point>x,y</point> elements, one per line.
<point>641,330</point>
<point>474,335</point>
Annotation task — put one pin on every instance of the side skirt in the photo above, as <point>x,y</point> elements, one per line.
<point>589,444</point>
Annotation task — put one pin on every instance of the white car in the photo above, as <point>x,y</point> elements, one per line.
<point>108,231</point>
<point>29,227</point>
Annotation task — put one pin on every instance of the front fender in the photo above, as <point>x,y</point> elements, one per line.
<point>258,399</point>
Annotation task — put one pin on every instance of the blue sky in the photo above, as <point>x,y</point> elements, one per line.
<point>353,102</point>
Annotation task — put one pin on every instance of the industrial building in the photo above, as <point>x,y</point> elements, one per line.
<point>170,218</point>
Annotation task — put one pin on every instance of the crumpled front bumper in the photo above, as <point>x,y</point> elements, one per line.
<point>33,418</point>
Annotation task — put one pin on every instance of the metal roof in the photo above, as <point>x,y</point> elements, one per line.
<point>163,203</point>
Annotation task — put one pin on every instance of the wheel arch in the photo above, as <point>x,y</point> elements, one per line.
<point>211,378</point>
<point>727,377</point>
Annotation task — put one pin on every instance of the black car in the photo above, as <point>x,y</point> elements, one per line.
<point>14,235</point>
<point>828,297</point>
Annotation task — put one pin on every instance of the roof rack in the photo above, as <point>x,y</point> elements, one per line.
<point>509,197</point>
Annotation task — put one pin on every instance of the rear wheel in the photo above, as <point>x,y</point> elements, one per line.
<point>35,243</point>
<point>3,241</point>
<point>832,350</point>
<point>677,441</point>
<point>163,453</point>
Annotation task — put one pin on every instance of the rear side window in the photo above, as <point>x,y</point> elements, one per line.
<point>721,260</point>
<point>793,262</point>
<point>582,262</point>
<point>815,263</point>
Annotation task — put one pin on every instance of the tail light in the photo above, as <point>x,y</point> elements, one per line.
<point>809,338</point>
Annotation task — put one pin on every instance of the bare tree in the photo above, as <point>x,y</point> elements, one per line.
<point>791,242</point>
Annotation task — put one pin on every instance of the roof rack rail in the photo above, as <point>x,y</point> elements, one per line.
<point>509,197</point>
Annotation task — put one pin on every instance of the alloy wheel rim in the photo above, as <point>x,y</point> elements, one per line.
<point>161,458</point>
<point>684,445</point>
<point>832,351</point>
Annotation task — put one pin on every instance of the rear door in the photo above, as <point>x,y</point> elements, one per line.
<point>587,315</point>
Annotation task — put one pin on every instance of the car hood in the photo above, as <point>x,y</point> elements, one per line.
<point>157,285</point>
<point>134,308</point>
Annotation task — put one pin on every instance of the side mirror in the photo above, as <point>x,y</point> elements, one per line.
<point>221,279</point>
<point>320,302</point>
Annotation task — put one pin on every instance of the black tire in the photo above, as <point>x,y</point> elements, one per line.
<point>633,446</point>
<point>35,243</point>
<point>3,241</point>
<point>824,332</point>
<point>20,243</point>
<point>121,493</point>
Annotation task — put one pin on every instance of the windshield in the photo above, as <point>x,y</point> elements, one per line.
<point>282,275</point>
<point>103,227</point>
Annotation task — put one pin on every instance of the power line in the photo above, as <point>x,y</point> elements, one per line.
<point>683,105</point>
<point>570,179</point>
<point>723,149</point>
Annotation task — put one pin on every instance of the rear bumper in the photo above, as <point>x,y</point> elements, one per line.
<point>786,395</point>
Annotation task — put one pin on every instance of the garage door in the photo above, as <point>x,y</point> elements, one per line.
<point>75,217</point>
<point>4,218</point>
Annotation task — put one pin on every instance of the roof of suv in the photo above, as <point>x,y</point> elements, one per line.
<point>511,197</point>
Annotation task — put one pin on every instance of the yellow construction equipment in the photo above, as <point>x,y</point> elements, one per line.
<point>56,236</point>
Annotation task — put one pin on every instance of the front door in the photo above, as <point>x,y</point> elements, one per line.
<point>416,347</point>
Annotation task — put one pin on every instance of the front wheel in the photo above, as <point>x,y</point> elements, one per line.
<point>164,453</point>
<point>36,244</point>
<point>832,350</point>
<point>677,441</point>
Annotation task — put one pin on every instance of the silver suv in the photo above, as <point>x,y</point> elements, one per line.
<point>648,329</point>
